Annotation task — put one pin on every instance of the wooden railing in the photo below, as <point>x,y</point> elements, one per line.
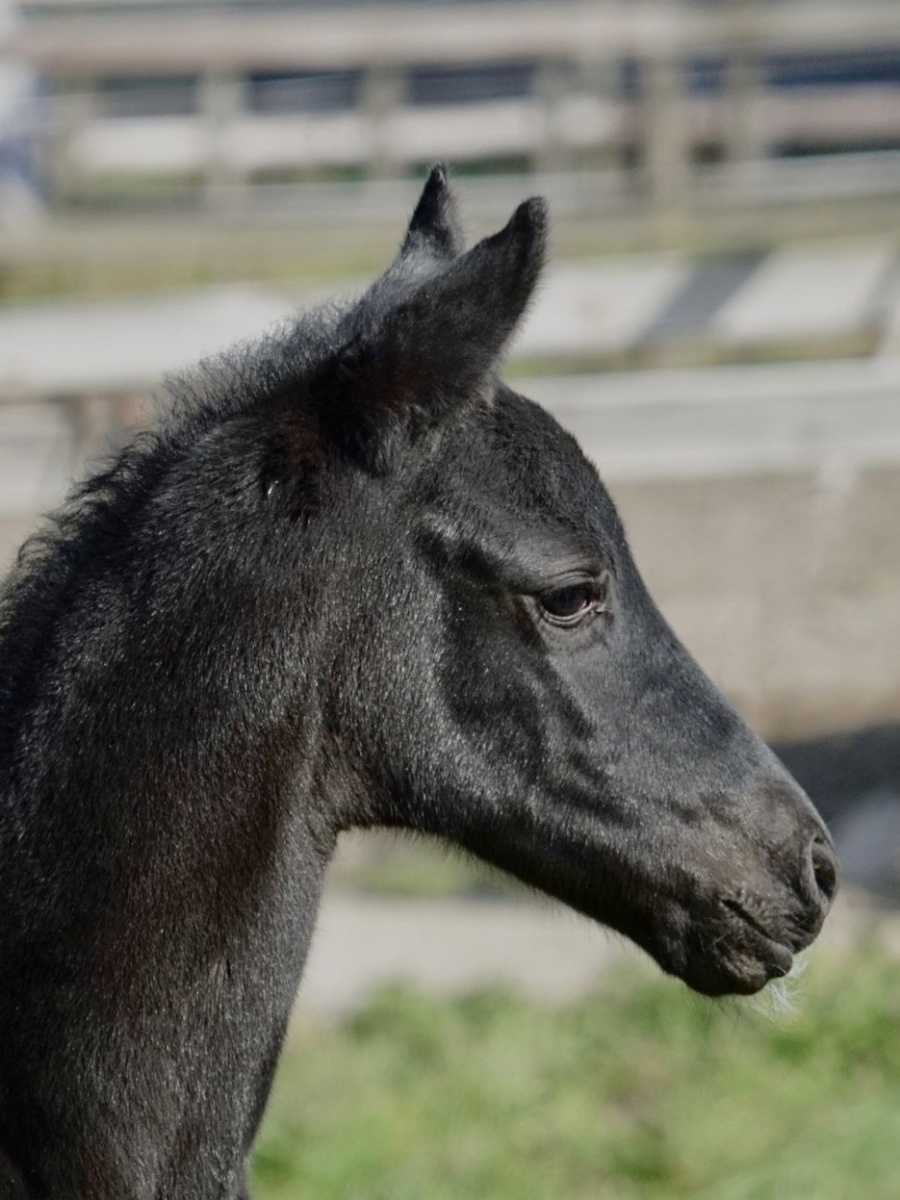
<point>646,136</point>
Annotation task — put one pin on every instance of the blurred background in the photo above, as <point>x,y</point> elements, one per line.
<point>720,326</point>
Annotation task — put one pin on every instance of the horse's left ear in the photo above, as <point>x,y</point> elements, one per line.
<point>439,345</point>
<point>435,229</point>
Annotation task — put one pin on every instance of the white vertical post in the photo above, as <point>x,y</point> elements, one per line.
<point>74,106</point>
<point>221,105</point>
<point>552,83</point>
<point>382,97</point>
<point>667,141</point>
<point>92,422</point>
<point>745,83</point>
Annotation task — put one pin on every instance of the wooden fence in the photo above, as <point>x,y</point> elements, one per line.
<point>609,92</point>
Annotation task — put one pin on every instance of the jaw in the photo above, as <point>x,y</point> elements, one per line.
<point>701,937</point>
<point>728,924</point>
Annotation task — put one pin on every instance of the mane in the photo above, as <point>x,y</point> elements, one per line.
<point>87,529</point>
<point>219,389</point>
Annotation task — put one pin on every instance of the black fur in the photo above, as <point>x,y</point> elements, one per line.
<point>350,580</point>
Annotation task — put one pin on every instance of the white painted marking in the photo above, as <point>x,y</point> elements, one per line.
<point>807,290</point>
<point>732,420</point>
<point>596,307</point>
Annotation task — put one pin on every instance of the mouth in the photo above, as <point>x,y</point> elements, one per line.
<point>747,955</point>
<point>756,960</point>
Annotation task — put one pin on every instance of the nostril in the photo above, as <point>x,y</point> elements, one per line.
<point>825,869</point>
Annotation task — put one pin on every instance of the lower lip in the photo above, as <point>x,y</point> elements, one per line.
<point>774,965</point>
<point>776,958</point>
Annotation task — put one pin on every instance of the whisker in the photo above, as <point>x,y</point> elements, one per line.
<point>780,998</point>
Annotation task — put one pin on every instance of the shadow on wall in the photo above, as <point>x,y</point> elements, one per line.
<point>854,781</point>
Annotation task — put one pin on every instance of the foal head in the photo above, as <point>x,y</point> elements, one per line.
<point>352,580</point>
<point>497,673</point>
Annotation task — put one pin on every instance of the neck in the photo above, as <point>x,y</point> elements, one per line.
<point>157,913</point>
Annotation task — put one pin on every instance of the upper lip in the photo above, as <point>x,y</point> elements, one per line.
<point>794,934</point>
<point>739,910</point>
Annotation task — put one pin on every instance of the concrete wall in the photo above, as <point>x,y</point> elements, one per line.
<point>785,587</point>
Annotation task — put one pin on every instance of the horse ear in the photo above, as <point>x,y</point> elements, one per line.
<point>439,346</point>
<point>435,229</point>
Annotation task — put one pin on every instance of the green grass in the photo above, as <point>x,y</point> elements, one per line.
<point>641,1091</point>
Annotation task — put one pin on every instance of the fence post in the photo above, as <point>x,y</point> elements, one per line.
<point>666,132</point>
<point>745,86</point>
<point>597,78</point>
<point>221,105</point>
<point>552,84</point>
<point>382,96</point>
<point>91,418</point>
<point>73,108</point>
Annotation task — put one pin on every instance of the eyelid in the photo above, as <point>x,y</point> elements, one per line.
<point>594,574</point>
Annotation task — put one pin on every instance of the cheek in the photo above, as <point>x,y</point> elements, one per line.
<point>491,694</point>
<point>513,619</point>
<point>522,705</point>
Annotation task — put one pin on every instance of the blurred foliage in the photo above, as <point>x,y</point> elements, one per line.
<point>640,1091</point>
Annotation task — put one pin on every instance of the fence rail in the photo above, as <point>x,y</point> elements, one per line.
<point>610,88</point>
<point>578,30</point>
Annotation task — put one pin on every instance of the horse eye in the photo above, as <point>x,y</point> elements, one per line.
<point>567,605</point>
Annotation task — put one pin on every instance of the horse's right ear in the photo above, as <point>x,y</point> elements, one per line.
<point>437,346</point>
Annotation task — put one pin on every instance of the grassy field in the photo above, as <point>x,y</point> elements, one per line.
<point>642,1091</point>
